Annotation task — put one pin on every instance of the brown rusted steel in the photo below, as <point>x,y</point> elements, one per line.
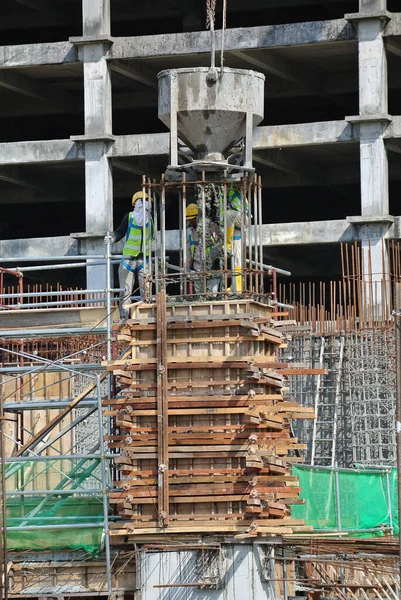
<point>162,409</point>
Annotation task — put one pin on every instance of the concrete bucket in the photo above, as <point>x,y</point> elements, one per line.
<point>210,116</point>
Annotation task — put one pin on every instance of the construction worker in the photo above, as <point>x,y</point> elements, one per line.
<point>134,251</point>
<point>193,258</point>
<point>234,223</point>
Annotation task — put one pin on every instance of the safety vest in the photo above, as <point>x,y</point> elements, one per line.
<point>133,241</point>
<point>234,200</point>
<point>192,242</point>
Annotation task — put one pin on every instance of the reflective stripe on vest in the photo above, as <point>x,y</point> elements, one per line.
<point>192,242</point>
<point>234,201</point>
<point>133,240</point>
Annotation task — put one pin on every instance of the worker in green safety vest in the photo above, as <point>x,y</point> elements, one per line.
<point>234,222</point>
<point>136,249</point>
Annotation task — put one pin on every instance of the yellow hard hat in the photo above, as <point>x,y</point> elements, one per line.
<point>191,211</point>
<point>138,195</point>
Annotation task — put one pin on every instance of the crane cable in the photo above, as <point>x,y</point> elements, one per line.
<point>210,23</point>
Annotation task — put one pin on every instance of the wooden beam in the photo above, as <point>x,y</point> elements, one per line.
<point>162,409</point>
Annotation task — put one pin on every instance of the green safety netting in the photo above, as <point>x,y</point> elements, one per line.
<point>66,511</point>
<point>364,503</point>
<point>37,515</point>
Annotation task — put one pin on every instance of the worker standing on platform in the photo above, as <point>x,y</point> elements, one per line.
<point>135,250</point>
<point>234,240</point>
<point>193,258</point>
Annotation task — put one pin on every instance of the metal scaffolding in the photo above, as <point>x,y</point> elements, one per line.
<point>63,454</point>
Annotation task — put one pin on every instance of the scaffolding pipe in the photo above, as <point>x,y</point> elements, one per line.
<point>58,293</point>
<point>49,405</point>
<point>69,266</point>
<point>53,368</point>
<point>69,526</point>
<point>56,304</point>
<point>38,458</point>
<point>104,485</point>
<point>397,323</point>
<point>338,504</point>
<point>50,258</point>
<point>268,267</point>
<point>78,492</point>
<point>67,331</point>
<point>389,503</point>
<point>3,537</point>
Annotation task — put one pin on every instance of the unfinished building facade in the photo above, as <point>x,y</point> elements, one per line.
<point>79,128</point>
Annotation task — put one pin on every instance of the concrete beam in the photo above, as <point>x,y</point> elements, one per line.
<point>394,129</point>
<point>186,44</point>
<point>393,28</point>
<point>154,144</point>
<point>31,55</point>
<point>136,71</point>
<point>157,144</point>
<point>244,38</point>
<point>51,246</point>
<point>46,151</point>
<point>276,234</point>
<point>304,134</point>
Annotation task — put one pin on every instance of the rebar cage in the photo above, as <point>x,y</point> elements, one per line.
<point>229,265</point>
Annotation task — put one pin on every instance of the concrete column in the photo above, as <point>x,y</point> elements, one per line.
<point>94,45</point>
<point>373,120</point>
<point>374,169</point>
<point>239,571</point>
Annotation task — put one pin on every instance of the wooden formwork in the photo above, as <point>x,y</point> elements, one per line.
<point>202,421</point>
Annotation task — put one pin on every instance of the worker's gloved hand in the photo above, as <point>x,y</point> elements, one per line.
<point>109,238</point>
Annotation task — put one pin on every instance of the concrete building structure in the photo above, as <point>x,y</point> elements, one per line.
<point>79,127</point>
<point>79,120</point>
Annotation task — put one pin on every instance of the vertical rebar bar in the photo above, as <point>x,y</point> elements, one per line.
<point>389,503</point>
<point>157,241</point>
<point>260,237</point>
<point>225,232</point>
<point>397,322</point>
<point>150,241</point>
<point>163,233</point>
<point>108,295</point>
<point>184,233</point>
<point>337,492</point>
<point>250,253</point>
<point>203,232</point>
<point>3,537</point>
<point>243,235</point>
<point>181,236</point>
<point>104,484</point>
<point>144,247</point>
<point>255,231</point>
